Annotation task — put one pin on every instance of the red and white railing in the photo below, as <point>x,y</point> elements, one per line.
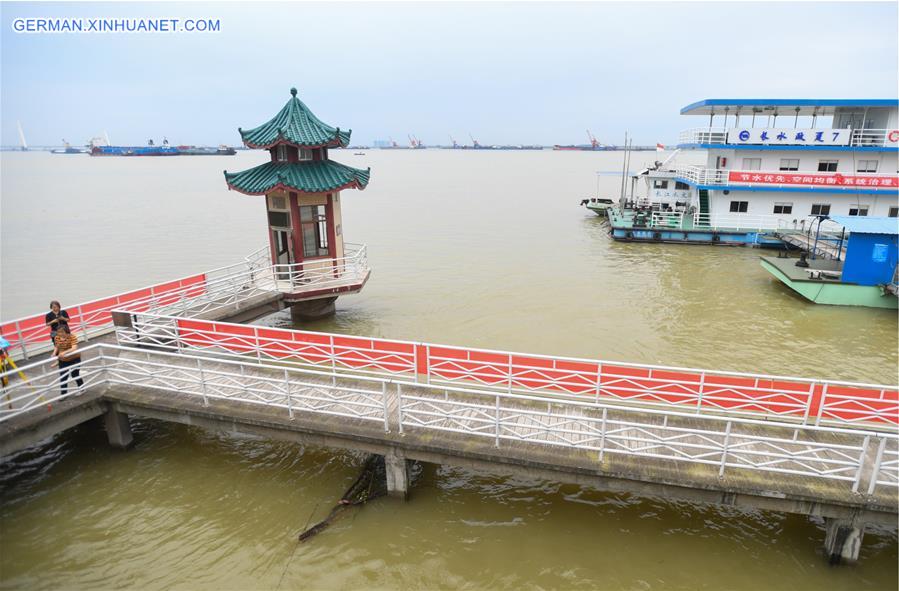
<point>799,400</point>
<point>861,460</point>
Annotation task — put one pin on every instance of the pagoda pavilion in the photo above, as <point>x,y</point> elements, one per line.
<point>302,185</point>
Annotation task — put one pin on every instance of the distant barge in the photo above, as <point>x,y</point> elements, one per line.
<point>163,150</point>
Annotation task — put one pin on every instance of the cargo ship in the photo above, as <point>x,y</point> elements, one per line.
<point>68,149</point>
<point>206,151</point>
<point>164,150</point>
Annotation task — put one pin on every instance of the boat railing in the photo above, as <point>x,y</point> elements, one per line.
<point>667,219</point>
<point>757,223</point>
<point>703,135</point>
<point>874,137</point>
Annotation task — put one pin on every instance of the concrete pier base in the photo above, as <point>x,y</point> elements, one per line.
<point>397,475</point>
<point>842,540</point>
<point>118,429</point>
<point>312,309</point>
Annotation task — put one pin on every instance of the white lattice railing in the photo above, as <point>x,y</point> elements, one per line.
<point>725,443</point>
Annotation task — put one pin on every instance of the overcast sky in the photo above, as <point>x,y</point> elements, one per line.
<point>504,72</point>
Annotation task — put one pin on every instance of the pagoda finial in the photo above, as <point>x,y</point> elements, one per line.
<point>293,91</point>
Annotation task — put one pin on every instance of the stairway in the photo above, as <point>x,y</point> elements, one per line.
<point>704,217</point>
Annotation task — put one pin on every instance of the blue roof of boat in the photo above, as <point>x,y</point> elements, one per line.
<point>868,225</point>
<point>806,106</point>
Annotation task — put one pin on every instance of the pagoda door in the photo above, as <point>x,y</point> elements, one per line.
<point>281,236</point>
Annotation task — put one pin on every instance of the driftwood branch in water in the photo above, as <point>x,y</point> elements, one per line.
<point>370,484</point>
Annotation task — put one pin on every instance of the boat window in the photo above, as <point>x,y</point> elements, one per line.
<point>783,208</point>
<point>739,206</point>
<point>679,186</point>
<point>752,163</point>
<point>867,166</point>
<point>657,184</point>
<point>859,210</point>
<point>827,165</point>
<point>894,212</point>
<point>820,208</point>
<point>314,222</point>
<point>789,163</point>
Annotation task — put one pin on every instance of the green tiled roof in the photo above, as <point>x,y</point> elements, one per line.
<point>318,176</point>
<point>295,125</point>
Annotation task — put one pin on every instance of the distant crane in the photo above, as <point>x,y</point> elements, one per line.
<point>22,137</point>
<point>415,143</point>
<point>594,143</point>
<point>474,142</point>
<point>393,144</point>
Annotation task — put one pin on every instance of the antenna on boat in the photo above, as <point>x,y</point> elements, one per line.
<point>623,168</point>
<point>106,135</point>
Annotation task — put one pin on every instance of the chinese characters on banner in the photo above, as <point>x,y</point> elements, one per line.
<point>795,178</point>
<point>791,137</point>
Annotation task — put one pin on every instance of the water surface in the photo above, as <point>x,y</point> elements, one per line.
<point>486,249</point>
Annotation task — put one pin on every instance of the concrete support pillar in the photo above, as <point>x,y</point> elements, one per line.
<point>118,429</point>
<point>397,475</point>
<point>842,540</point>
<point>312,309</point>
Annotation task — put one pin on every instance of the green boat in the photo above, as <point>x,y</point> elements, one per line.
<point>598,206</point>
<point>867,276</point>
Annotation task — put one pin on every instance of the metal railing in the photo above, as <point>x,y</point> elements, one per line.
<point>192,296</point>
<point>718,135</point>
<point>725,443</point>
<point>349,270</point>
<point>799,400</point>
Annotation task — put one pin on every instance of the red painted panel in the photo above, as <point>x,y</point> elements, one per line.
<point>521,361</point>
<point>352,343</point>
<point>309,337</point>
<point>104,304</point>
<point>485,357</point>
<point>448,353</point>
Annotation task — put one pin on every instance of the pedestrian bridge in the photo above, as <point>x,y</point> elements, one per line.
<point>814,447</point>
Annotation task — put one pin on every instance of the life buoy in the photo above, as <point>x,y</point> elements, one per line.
<point>629,235</point>
<point>893,136</point>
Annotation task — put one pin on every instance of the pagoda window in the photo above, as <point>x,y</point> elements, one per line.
<point>278,212</point>
<point>305,154</point>
<point>314,223</point>
<point>281,153</point>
